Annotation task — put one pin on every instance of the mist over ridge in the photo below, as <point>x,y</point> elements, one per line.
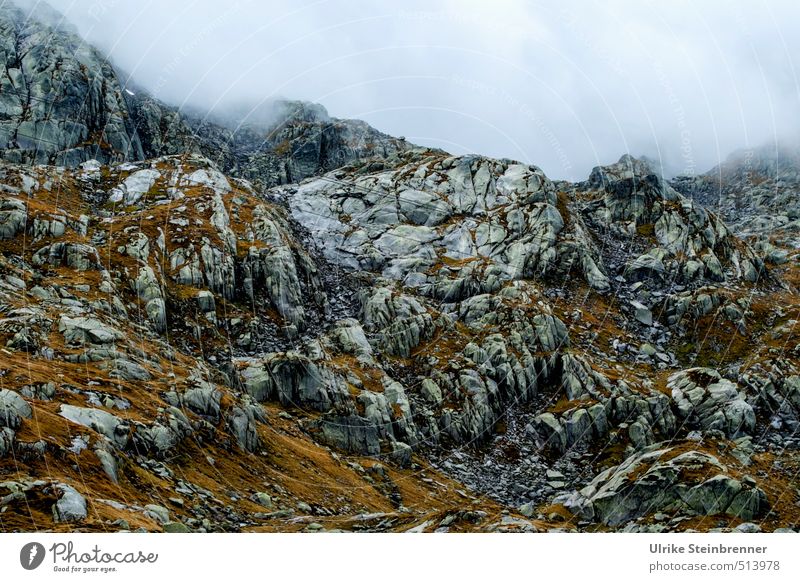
<point>567,89</point>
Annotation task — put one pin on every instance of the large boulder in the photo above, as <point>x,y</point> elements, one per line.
<point>13,409</point>
<point>78,256</point>
<point>242,422</point>
<point>83,330</point>
<point>706,400</point>
<point>98,420</point>
<point>71,505</point>
<point>292,379</point>
<point>6,440</point>
<point>667,480</point>
<point>136,185</point>
<point>350,433</point>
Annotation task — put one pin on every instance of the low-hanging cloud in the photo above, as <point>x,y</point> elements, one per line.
<point>561,85</point>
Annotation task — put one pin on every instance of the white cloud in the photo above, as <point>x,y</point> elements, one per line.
<point>559,85</point>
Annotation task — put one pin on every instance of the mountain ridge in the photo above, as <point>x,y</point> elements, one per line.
<point>45,122</point>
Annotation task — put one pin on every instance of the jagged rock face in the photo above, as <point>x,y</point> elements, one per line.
<point>304,142</point>
<point>201,308</point>
<point>163,130</point>
<point>241,267</point>
<point>13,409</point>
<point>775,385</point>
<point>651,232</point>
<point>450,228</point>
<point>71,506</point>
<point>260,261</point>
<point>148,271</point>
<point>60,99</point>
<point>757,192</point>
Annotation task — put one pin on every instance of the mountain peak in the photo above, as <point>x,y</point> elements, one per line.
<point>37,13</point>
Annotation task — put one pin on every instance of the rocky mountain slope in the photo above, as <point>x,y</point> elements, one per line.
<point>307,325</point>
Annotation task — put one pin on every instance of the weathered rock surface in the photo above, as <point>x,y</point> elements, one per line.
<point>71,506</point>
<point>361,323</point>
<point>756,192</point>
<point>58,95</point>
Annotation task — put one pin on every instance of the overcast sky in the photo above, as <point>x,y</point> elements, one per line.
<point>564,85</point>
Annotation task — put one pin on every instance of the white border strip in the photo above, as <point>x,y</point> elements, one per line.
<point>400,556</point>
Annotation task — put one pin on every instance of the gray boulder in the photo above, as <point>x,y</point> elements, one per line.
<point>78,256</point>
<point>13,218</point>
<point>550,431</point>
<point>98,420</point>
<point>158,513</point>
<point>70,507</point>
<point>350,433</point>
<point>6,441</point>
<point>203,400</point>
<point>711,402</point>
<point>13,409</point>
<point>148,289</point>
<point>242,422</point>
